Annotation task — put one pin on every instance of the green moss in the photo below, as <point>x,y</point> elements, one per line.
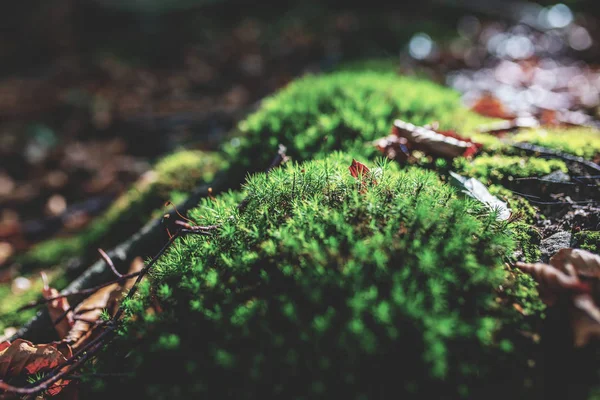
<point>178,172</point>
<point>522,209</point>
<point>322,280</point>
<point>501,168</point>
<point>343,111</point>
<point>588,240</point>
<point>528,238</point>
<point>385,65</point>
<point>583,142</point>
<point>10,301</point>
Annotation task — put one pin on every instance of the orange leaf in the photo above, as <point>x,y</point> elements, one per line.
<point>490,106</point>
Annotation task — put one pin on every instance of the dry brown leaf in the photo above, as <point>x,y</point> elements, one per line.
<point>87,313</point>
<point>585,263</point>
<point>57,309</point>
<point>394,147</point>
<point>438,143</point>
<point>585,319</point>
<point>22,356</point>
<point>573,276</point>
<point>553,281</point>
<point>500,127</point>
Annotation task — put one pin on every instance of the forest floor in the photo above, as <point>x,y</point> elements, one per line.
<point>107,137</point>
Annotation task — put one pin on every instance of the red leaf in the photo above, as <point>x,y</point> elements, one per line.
<point>357,168</point>
<point>360,170</point>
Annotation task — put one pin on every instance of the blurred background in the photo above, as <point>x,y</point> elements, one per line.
<point>92,92</point>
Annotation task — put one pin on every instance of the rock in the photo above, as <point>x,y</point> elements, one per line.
<point>557,176</point>
<point>552,244</point>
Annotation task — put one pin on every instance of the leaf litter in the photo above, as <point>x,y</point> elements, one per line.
<point>571,278</point>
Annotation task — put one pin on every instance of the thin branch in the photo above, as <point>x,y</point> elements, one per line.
<point>555,153</point>
<point>544,180</point>
<point>82,310</point>
<point>196,229</point>
<point>88,321</point>
<point>142,273</point>
<point>280,158</point>
<point>79,292</point>
<point>110,263</point>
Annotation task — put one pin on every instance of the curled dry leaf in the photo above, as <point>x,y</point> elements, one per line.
<point>360,170</point>
<point>57,309</point>
<point>586,264</point>
<point>553,281</point>
<point>394,147</point>
<point>22,357</point>
<point>87,313</point>
<point>406,136</point>
<point>573,275</point>
<point>585,319</point>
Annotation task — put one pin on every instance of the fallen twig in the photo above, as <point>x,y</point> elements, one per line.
<point>78,292</point>
<point>555,153</point>
<point>110,263</point>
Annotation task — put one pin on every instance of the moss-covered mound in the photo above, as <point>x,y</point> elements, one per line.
<point>172,177</point>
<point>343,111</point>
<point>327,285</point>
